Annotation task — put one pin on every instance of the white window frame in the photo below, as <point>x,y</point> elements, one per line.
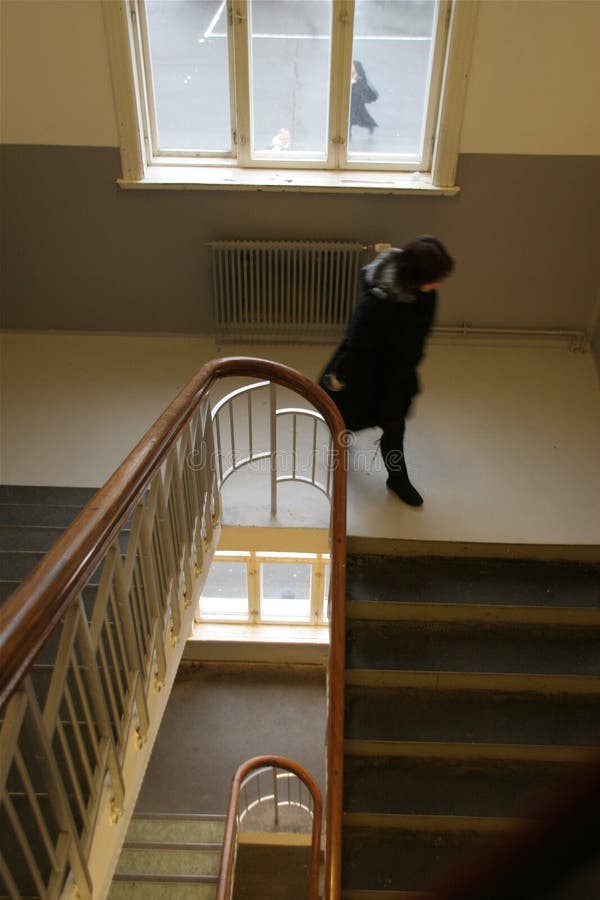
<point>142,167</point>
<point>253,559</point>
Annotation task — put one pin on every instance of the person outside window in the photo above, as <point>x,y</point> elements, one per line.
<point>361,93</point>
<point>372,376</point>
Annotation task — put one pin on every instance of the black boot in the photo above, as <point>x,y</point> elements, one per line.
<point>399,483</point>
<point>392,450</point>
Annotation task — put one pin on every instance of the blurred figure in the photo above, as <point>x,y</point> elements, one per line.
<point>372,377</point>
<point>281,141</point>
<point>361,93</point>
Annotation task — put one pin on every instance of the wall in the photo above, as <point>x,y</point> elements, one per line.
<point>82,254</point>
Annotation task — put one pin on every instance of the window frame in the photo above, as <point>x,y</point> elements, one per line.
<point>253,559</point>
<point>142,168</point>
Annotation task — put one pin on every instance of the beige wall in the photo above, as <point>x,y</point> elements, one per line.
<point>535,71</point>
<point>56,86</point>
<point>532,88</point>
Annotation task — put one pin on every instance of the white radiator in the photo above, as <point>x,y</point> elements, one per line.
<point>292,290</point>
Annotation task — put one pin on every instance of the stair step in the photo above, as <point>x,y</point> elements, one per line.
<point>521,682</point>
<point>161,859</point>
<point>28,537</point>
<point>467,752</point>
<point>38,514</point>
<point>453,716</point>
<point>484,648</point>
<point>457,787</point>
<point>15,565</point>
<point>400,859</point>
<point>45,495</point>
<point>7,588</point>
<point>480,581</point>
<point>160,889</point>
<point>160,828</point>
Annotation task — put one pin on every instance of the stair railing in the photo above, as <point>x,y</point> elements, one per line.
<point>235,417</point>
<point>114,609</point>
<point>275,783</point>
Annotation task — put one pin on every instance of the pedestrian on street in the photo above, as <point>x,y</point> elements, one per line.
<point>372,377</point>
<point>361,93</point>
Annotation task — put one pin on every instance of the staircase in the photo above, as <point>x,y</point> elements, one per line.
<point>175,856</point>
<point>472,685</point>
<point>31,520</point>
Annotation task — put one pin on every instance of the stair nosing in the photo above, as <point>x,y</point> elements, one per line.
<point>468,751</point>
<point>163,877</point>
<point>500,682</point>
<point>422,823</point>
<point>176,817</point>
<point>200,846</point>
<point>406,611</point>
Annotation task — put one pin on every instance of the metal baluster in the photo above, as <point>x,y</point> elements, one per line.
<point>294,444</point>
<point>38,737</point>
<point>28,853</point>
<point>37,810</point>
<point>93,790</point>
<point>273,435</point>
<point>275,796</point>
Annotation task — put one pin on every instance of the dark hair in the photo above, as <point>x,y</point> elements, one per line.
<point>422,261</point>
<point>360,69</point>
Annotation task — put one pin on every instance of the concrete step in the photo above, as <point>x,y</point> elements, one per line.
<point>479,647</point>
<point>7,588</point>
<point>452,787</point>
<point>391,858</point>
<point>271,872</point>
<point>466,580</point>
<point>164,828</point>
<point>15,565</point>
<point>45,495</point>
<point>38,514</point>
<point>445,715</point>
<point>161,888</point>
<point>28,537</point>
<point>169,859</point>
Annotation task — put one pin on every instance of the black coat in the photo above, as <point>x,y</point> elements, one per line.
<point>378,359</point>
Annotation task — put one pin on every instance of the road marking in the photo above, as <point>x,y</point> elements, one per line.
<point>209,31</point>
<point>324,37</point>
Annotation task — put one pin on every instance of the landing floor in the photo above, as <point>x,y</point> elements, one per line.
<point>504,442</point>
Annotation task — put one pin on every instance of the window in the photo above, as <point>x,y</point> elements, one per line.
<point>266,587</point>
<point>331,85</point>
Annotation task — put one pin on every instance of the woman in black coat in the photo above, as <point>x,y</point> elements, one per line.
<point>372,377</point>
<point>361,93</point>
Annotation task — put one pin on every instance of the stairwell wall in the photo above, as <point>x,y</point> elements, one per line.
<point>80,254</point>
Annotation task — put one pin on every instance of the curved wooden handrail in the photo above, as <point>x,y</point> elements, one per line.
<point>33,612</point>
<point>227,854</point>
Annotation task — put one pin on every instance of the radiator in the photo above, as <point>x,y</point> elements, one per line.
<point>284,290</point>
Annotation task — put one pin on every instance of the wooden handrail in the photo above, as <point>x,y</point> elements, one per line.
<point>229,839</point>
<point>33,612</point>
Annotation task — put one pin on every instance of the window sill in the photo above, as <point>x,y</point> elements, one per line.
<point>244,642</point>
<point>213,178</point>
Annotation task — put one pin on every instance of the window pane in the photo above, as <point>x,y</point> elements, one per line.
<point>225,594</point>
<point>393,53</point>
<point>285,591</point>
<point>326,592</point>
<point>289,76</point>
<point>188,50</point>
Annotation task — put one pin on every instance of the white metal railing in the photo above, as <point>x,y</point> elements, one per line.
<point>242,437</point>
<point>274,790</point>
<point>271,794</point>
<point>91,703</point>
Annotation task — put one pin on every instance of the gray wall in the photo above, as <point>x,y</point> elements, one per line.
<point>82,254</point>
